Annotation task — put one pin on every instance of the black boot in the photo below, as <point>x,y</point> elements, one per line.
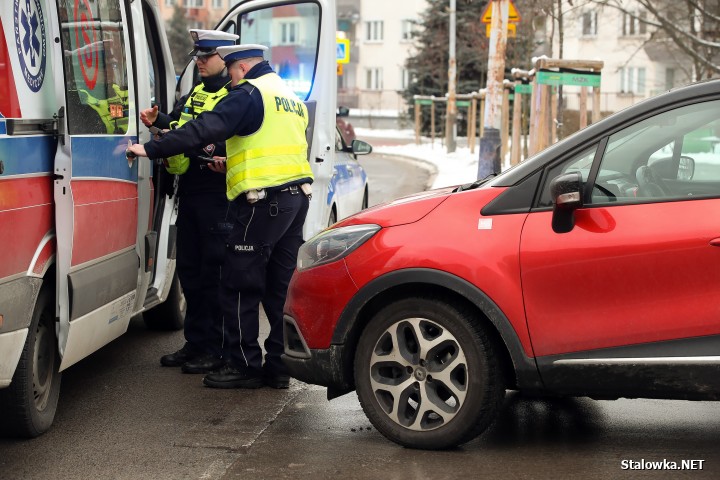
<point>176,359</point>
<point>206,363</point>
<point>231,377</point>
<point>275,379</point>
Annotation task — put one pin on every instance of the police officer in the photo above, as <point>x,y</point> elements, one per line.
<point>268,179</point>
<point>201,226</point>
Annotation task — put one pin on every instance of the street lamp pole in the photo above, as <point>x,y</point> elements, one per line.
<point>451,111</point>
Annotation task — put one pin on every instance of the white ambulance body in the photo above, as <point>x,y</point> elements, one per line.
<point>85,237</point>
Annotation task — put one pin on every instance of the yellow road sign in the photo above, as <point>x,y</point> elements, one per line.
<point>513,15</point>
<point>339,68</point>
<point>342,52</point>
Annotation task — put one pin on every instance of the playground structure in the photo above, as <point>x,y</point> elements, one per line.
<point>533,123</point>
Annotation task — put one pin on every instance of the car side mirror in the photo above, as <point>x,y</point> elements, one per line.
<point>566,192</point>
<point>343,111</point>
<point>686,168</point>
<point>360,148</point>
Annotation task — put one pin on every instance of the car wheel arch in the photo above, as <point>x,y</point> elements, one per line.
<point>409,282</point>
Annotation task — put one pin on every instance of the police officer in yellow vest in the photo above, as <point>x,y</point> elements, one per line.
<point>268,179</point>
<point>201,224</point>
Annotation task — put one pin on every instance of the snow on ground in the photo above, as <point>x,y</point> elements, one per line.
<point>452,168</point>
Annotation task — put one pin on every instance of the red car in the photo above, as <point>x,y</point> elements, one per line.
<point>592,269</point>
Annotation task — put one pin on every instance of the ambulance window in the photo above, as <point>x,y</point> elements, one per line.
<point>93,41</point>
<point>292,32</point>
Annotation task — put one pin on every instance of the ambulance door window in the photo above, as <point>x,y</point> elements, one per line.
<point>292,32</point>
<point>96,75</point>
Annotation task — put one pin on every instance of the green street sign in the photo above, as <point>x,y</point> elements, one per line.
<point>568,78</point>
<point>463,103</point>
<point>423,102</point>
<point>523,88</point>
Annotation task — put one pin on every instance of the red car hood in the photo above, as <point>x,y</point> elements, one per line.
<point>401,211</point>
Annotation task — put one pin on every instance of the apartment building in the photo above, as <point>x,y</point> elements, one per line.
<point>199,13</point>
<point>636,65</point>
<point>383,35</point>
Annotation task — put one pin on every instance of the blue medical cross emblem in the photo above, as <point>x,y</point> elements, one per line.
<point>31,43</point>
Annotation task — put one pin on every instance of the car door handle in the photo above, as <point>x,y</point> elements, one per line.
<point>715,242</point>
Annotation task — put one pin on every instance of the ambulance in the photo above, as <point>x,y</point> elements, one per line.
<point>86,238</point>
<point>86,235</point>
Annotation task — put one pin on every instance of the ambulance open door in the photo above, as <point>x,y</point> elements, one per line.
<point>95,188</point>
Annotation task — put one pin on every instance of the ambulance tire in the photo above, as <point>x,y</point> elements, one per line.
<point>28,405</point>
<point>169,315</point>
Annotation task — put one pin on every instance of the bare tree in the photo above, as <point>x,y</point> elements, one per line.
<point>688,28</point>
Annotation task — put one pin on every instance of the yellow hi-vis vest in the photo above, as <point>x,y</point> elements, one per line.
<point>198,101</point>
<point>277,153</point>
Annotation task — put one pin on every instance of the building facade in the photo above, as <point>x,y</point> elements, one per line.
<point>636,65</point>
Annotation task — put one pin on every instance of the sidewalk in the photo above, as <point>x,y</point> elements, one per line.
<point>452,169</point>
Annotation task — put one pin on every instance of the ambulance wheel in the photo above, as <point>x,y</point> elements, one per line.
<point>169,315</point>
<point>28,405</point>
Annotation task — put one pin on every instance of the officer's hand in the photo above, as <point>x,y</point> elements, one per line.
<point>138,149</point>
<point>218,165</point>
<point>149,115</point>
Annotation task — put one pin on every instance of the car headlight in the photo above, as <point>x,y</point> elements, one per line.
<point>334,244</point>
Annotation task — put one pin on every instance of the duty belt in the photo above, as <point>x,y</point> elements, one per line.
<point>255,195</point>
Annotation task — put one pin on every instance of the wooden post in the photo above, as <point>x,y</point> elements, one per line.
<point>482,117</point>
<point>472,123</point>
<point>517,114</point>
<point>596,115</point>
<point>583,107</point>
<point>432,122</point>
<point>505,122</point>
<point>553,123</point>
<point>418,120</point>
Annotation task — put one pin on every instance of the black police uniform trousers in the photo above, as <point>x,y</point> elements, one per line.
<point>201,235</point>
<point>260,258</point>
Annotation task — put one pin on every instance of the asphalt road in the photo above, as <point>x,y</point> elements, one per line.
<point>122,416</point>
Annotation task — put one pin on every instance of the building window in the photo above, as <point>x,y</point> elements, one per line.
<point>633,23</point>
<point>669,78</point>
<point>589,24</point>
<point>404,78</point>
<point>374,31</point>
<point>632,80</point>
<point>194,3</point>
<point>373,78</point>
<point>217,3</point>
<point>407,29</point>
<point>289,33</point>
<point>170,3</point>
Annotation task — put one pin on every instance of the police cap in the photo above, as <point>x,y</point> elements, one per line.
<point>207,41</point>
<point>238,52</point>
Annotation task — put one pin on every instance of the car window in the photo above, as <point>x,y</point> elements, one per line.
<point>339,144</point>
<point>672,155</point>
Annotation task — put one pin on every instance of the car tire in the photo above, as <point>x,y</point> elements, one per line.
<point>332,220</point>
<point>169,315</point>
<point>418,337</point>
<point>28,405</point>
<point>365,200</point>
